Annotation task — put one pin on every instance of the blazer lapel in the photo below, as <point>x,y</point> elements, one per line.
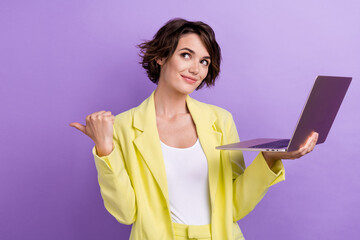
<point>209,138</point>
<point>148,142</point>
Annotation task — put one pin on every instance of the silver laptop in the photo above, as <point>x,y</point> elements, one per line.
<point>317,115</point>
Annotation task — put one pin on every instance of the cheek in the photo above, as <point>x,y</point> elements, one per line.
<point>169,69</point>
<point>176,66</point>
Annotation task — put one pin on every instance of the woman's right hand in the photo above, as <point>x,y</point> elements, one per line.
<point>99,127</point>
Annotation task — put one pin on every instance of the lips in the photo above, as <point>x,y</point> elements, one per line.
<point>189,79</point>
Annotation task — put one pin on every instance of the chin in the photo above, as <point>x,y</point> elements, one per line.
<point>184,88</point>
<point>187,89</point>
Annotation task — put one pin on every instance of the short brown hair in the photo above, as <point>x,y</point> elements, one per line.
<point>165,41</point>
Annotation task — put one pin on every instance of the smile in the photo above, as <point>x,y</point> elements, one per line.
<point>189,79</point>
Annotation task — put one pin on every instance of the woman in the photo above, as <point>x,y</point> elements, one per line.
<point>157,165</point>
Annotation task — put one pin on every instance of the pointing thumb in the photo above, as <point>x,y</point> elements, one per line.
<point>78,126</point>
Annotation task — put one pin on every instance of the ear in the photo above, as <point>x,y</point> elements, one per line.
<point>160,61</point>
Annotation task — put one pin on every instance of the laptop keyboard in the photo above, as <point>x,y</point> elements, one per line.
<point>283,143</point>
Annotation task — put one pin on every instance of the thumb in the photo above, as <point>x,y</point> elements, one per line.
<point>78,126</point>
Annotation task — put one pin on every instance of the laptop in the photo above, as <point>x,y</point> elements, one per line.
<point>317,115</point>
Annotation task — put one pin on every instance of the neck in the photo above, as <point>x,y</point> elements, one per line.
<point>169,103</point>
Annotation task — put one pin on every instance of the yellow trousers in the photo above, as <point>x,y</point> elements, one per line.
<point>201,232</point>
<point>187,232</point>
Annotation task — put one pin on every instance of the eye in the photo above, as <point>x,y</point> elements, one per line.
<point>185,55</point>
<point>205,62</point>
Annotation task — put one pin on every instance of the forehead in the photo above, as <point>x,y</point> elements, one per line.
<point>194,42</point>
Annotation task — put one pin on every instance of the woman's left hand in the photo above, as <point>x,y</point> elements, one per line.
<point>271,157</point>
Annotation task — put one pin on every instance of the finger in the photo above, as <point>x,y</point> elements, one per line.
<point>316,137</point>
<point>99,113</point>
<point>108,113</point>
<point>308,148</point>
<point>310,140</point>
<point>105,117</point>
<point>314,141</point>
<point>110,118</point>
<point>302,151</point>
<point>308,145</point>
<point>94,116</point>
<point>91,117</point>
<point>102,114</point>
<point>295,154</point>
<point>78,126</point>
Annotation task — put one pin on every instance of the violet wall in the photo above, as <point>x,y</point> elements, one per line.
<point>62,60</point>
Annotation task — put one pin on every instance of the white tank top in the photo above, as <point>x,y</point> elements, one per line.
<point>187,177</point>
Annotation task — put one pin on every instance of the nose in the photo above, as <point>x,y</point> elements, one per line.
<point>194,68</point>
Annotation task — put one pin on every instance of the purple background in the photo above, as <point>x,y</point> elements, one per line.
<point>62,60</point>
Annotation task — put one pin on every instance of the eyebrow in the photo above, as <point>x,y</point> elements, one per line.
<point>192,51</point>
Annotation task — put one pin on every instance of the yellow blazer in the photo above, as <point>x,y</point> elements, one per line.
<point>133,183</point>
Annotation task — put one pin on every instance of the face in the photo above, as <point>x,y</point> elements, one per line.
<point>184,71</point>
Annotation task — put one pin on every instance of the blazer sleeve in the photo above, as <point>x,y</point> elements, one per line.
<point>115,185</point>
<point>249,184</point>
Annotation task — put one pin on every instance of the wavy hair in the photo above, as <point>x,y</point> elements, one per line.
<point>164,44</point>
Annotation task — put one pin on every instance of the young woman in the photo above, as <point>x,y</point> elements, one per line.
<point>157,165</point>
